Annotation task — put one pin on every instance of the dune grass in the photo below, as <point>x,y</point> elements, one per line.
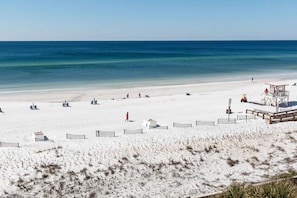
<point>284,187</point>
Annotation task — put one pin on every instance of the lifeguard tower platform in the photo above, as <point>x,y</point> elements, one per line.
<point>275,95</point>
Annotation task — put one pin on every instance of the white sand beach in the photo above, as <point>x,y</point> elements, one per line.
<point>178,162</point>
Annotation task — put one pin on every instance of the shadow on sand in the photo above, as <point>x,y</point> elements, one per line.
<point>257,103</point>
<point>290,104</point>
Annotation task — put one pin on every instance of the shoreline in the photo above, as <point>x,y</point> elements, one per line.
<point>112,91</point>
<point>149,82</point>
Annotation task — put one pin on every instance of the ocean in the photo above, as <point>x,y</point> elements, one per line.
<point>116,64</point>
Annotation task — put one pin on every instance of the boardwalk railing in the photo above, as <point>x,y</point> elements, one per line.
<point>9,144</point>
<point>259,112</point>
<point>133,131</point>
<point>283,116</point>
<point>73,136</point>
<point>208,123</point>
<point>105,133</point>
<point>181,125</point>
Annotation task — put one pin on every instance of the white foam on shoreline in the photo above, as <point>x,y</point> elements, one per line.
<point>143,83</point>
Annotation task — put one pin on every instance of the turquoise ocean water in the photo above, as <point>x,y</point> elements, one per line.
<point>58,65</point>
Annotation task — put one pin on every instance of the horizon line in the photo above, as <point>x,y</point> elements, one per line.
<point>179,40</point>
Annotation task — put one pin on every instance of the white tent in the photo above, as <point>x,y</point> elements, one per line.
<point>150,123</point>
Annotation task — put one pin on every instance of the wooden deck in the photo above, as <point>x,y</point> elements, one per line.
<point>283,116</point>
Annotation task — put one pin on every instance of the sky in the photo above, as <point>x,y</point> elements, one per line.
<point>101,20</point>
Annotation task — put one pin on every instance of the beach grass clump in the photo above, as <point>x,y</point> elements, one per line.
<point>253,148</point>
<point>189,148</point>
<point>234,191</point>
<point>254,158</point>
<point>231,162</point>
<point>93,195</point>
<point>211,148</point>
<point>51,168</point>
<point>289,160</point>
<point>253,161</point>
<point>281,189</point>
<point>286,189</point>
<point>293,139</point>
<point>289,174</point>
<point>265,163</point>
<point>49,149</point>
<point>280,148</point>
<point>136,155</point>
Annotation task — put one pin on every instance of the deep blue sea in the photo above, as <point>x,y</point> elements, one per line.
<point>75,64</point>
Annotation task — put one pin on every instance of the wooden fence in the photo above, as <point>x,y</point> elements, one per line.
<point>133,131</point>
<point>105,133</point>
<point>73,136</point>
<point>181,125</point>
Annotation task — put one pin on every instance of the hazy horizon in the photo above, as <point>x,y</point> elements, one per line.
<point>133,20</point>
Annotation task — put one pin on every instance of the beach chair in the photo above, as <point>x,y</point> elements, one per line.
<point>94,102</point>
<point>65,104</point>
<point>33,107</point>
<point>39,136</point>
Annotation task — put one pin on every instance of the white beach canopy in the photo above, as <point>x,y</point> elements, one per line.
<point>150,123</point>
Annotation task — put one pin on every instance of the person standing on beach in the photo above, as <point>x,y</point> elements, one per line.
<point>139,95</point>
<point>252,79</point>
<point>127,117</point>
<point>127,95</point>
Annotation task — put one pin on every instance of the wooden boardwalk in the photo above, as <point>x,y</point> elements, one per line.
<point>283,116</point>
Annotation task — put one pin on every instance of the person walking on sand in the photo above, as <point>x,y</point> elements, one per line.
<point>127,117</point>
<point>127,95</point>
<point>139,95</point>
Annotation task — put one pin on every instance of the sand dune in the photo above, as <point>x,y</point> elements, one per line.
<point>159,163</point>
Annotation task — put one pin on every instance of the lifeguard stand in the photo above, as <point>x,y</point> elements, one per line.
<point>275,95</point>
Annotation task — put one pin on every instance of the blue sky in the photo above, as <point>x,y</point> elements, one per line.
<point>148,20</point>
